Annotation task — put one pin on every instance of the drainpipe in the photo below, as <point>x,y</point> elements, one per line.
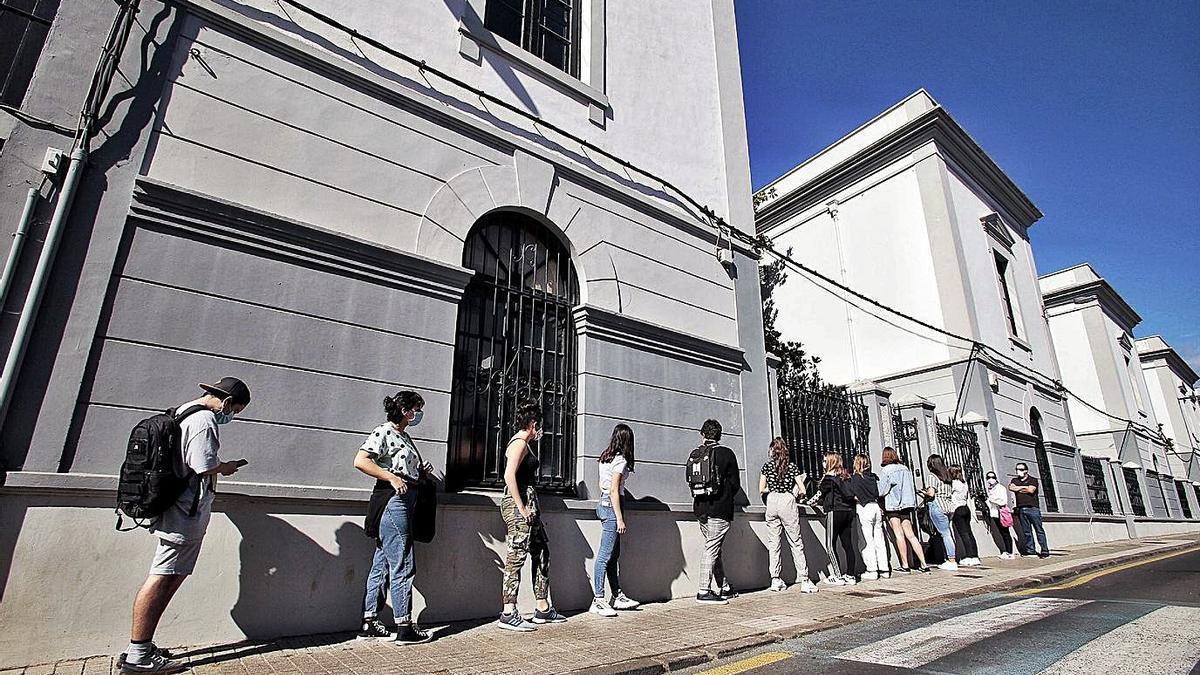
<point>33,301</point>
<point>14,253</point>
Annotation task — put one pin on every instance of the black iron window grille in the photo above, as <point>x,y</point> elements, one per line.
<point>515,341</point>
<point>548,29</point>
<point>959,444</point>
<point>1093,475</point>
<point>1135,492</point>
<point>907,440</point>
<point>1045,469</point>
<point>816,422</point>
<point>24,25</point>
<point>1183,500</point>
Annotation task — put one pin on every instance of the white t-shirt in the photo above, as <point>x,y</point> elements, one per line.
<point>199,442</point>
<point>393,451</point>
<point>958,494</point>
<point>618,465</point>
<point>997,497</point>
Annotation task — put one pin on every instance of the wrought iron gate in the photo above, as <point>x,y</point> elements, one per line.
<point>1097,489</point>
<point>1135,491</point>
<point>958,444</point>
<point>515,341</point>
<point>815,422</point>
<point>907,442</point>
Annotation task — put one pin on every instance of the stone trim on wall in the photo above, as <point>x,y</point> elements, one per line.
<point>171,207</point>
<point>593,322</point>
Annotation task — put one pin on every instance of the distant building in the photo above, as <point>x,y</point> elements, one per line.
<point>908,210</point>
<point>1093,336</point>
<point>1172,386</point>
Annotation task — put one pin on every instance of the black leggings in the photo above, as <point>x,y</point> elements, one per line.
<point>1005,537</point>
<point>840,527</point>
<point>962,525</point>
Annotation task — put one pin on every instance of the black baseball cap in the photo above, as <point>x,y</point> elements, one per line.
<point>229,387</point>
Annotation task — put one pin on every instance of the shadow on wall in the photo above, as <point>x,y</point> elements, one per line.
<point>12,516</point>
<point>651,564</point>
<point>285,576</point>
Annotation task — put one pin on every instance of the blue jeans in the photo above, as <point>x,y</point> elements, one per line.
<point>393,561</point>
<point>942,524</point>
<point>1031,519</point>
<point>610,549</point>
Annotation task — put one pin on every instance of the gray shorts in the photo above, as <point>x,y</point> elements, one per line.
<point>172,559</point>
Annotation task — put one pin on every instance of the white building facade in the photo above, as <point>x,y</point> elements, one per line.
<point>1173,396</point>
<point>1093,328</point>
<point>910,212</point>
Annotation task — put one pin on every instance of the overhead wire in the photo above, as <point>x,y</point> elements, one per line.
<point>709,216</point>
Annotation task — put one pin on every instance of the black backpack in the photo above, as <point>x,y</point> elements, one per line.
<point>701,472</point>
<point>154,475</point>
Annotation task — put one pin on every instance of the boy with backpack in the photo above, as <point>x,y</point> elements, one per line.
<point>188,441</point>
<point>712,474</point>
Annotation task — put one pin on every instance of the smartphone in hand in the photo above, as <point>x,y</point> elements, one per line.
<point>239,463</point>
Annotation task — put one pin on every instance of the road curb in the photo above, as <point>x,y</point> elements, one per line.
<point>688,658</point>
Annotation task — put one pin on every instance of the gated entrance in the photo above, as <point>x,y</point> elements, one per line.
<point>958,444</point>
<point>515,341</point>
<point>816,422</point>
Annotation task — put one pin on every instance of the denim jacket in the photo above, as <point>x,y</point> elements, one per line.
<point>897,487</point>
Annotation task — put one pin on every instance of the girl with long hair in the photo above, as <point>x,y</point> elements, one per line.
<point>900,505</point>
<point>940,498</point>
<point>961,517</point>
<point>782,483</point>
<point>526,537</point>
<point>997,498</point>
<point>864,485</point>
<point>838,504</point>
<point>616,463</point>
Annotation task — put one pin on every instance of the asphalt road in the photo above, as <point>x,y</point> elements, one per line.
<point>1144,618</point>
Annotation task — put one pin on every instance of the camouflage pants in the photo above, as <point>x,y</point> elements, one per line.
<point>525,540</point>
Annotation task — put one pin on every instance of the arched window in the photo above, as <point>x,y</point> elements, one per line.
<point>515,341</point>
<point>1045,472</point>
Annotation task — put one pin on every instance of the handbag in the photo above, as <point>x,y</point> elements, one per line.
<point>1006,518</point>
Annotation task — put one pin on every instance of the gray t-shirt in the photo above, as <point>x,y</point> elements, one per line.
<point>199,442</point>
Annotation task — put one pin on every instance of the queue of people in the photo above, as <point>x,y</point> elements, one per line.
<point>854,501</point>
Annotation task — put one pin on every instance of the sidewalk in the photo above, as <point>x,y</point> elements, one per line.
<point>664,636</point>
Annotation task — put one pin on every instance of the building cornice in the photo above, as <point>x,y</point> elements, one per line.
<point>165,206</point>
<point>1174,361</point>
<point>953,143</point>
<point>600,324</point>
<point>1100,291</point>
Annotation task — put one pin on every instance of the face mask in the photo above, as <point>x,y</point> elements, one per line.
<point>224,417</point>
<point>416,418</point>
<point>992,481</point>
<point>1022,472</point>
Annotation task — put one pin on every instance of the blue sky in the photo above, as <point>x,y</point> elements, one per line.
<point>1093,109</point>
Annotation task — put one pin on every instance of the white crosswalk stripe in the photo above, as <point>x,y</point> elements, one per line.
<point>1164,641</point>
<point>917,647</point>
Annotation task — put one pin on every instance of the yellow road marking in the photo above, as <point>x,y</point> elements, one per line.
<point>764,659</point>
<point>1079,581</point>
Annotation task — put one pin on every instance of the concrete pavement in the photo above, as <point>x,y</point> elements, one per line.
<point>664,636</point>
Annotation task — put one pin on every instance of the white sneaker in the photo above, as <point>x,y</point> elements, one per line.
<point>1007,556</point>
<point>885,575</point>
<point>835,581</point>
<point>949,565</point>
<point>778,585</point>
<point>850,580</point>
<point>870,576</point>
<point>807,586</point>
<point>622,601</point>
<point>599,606</point>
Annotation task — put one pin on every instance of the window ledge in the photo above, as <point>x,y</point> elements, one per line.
<point>1021,344</point>
<point>472,41</point>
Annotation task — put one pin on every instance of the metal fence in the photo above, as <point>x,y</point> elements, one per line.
<point>815,422</point>
<point>1183,500</point>
<point>1135,492</point>
<point>958,444</point>
<point>1097,489</point>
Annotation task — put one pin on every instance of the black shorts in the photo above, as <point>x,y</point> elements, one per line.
<point>900,513</point>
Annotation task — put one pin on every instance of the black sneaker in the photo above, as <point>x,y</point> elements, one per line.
<point>374,629</point>
<point>728,593</point>
<point>710,598</point>
<point>1043,555</point>
<point>548,616</point>
<point>925,570</point>
<point>903,570</point>
<point>411,635</point>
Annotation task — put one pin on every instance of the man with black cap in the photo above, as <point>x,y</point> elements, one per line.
<point>180,529</point>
